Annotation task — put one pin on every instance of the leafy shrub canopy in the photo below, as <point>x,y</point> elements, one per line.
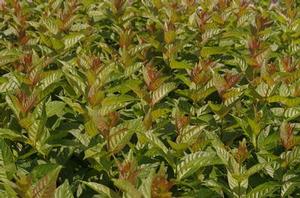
<point>149,98</point>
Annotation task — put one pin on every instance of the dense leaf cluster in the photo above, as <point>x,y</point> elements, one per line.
<point>149,98</point>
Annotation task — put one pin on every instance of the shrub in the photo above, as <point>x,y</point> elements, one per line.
<point>149,98</point>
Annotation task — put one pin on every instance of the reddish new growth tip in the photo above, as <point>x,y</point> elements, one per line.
<point>200,74</point>
<point>286,135</point>
<point>181,121</point>
<point>128,171</point>
<point>242,153</point>
<point>161,187</point>
<point>26,102</point>
<point>231,79</point>
<point>287,63</point>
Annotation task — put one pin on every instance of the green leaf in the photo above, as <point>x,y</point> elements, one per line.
<point>251,171</point>
<point>232,182</point>
<point>178,147</point>
<point>155,141</point>
<point>191,163</point>
<point>37,132</point>
<point>263,190</point>
<point>208,51</point>
<point>72,39</point>
<point>51,24</point>
<point>226,157</point>
<point>49,78</point>
<point>83,138</point>
<point>162,91</point>
<point>189,134</point>
<point>74,105</point>
<point>45,187</point>
<point>102,189</point>
<point>255,127</point>
<point>9,83</point>
<point>114,100</point>
<point>120,136</point>
<point>64,191</point>
<point>174,64</point>
<point>73,77</point>
<point>201,94</point>
<point>145,187</point>
<point>56,44</point>
<point>55,108</point>
<point>290,102</point>
<point>14,104</point>
<point>91,128</point>
<point>11,135</point>
<point>292,156</point>
<point>113,103</point>
<point>210,33</point>
<point>8,56</point>
<point>127,187</point>
<point>7,165</point>
<point>132,69</point>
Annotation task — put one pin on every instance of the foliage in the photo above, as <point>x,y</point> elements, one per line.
<point>149,98</point>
